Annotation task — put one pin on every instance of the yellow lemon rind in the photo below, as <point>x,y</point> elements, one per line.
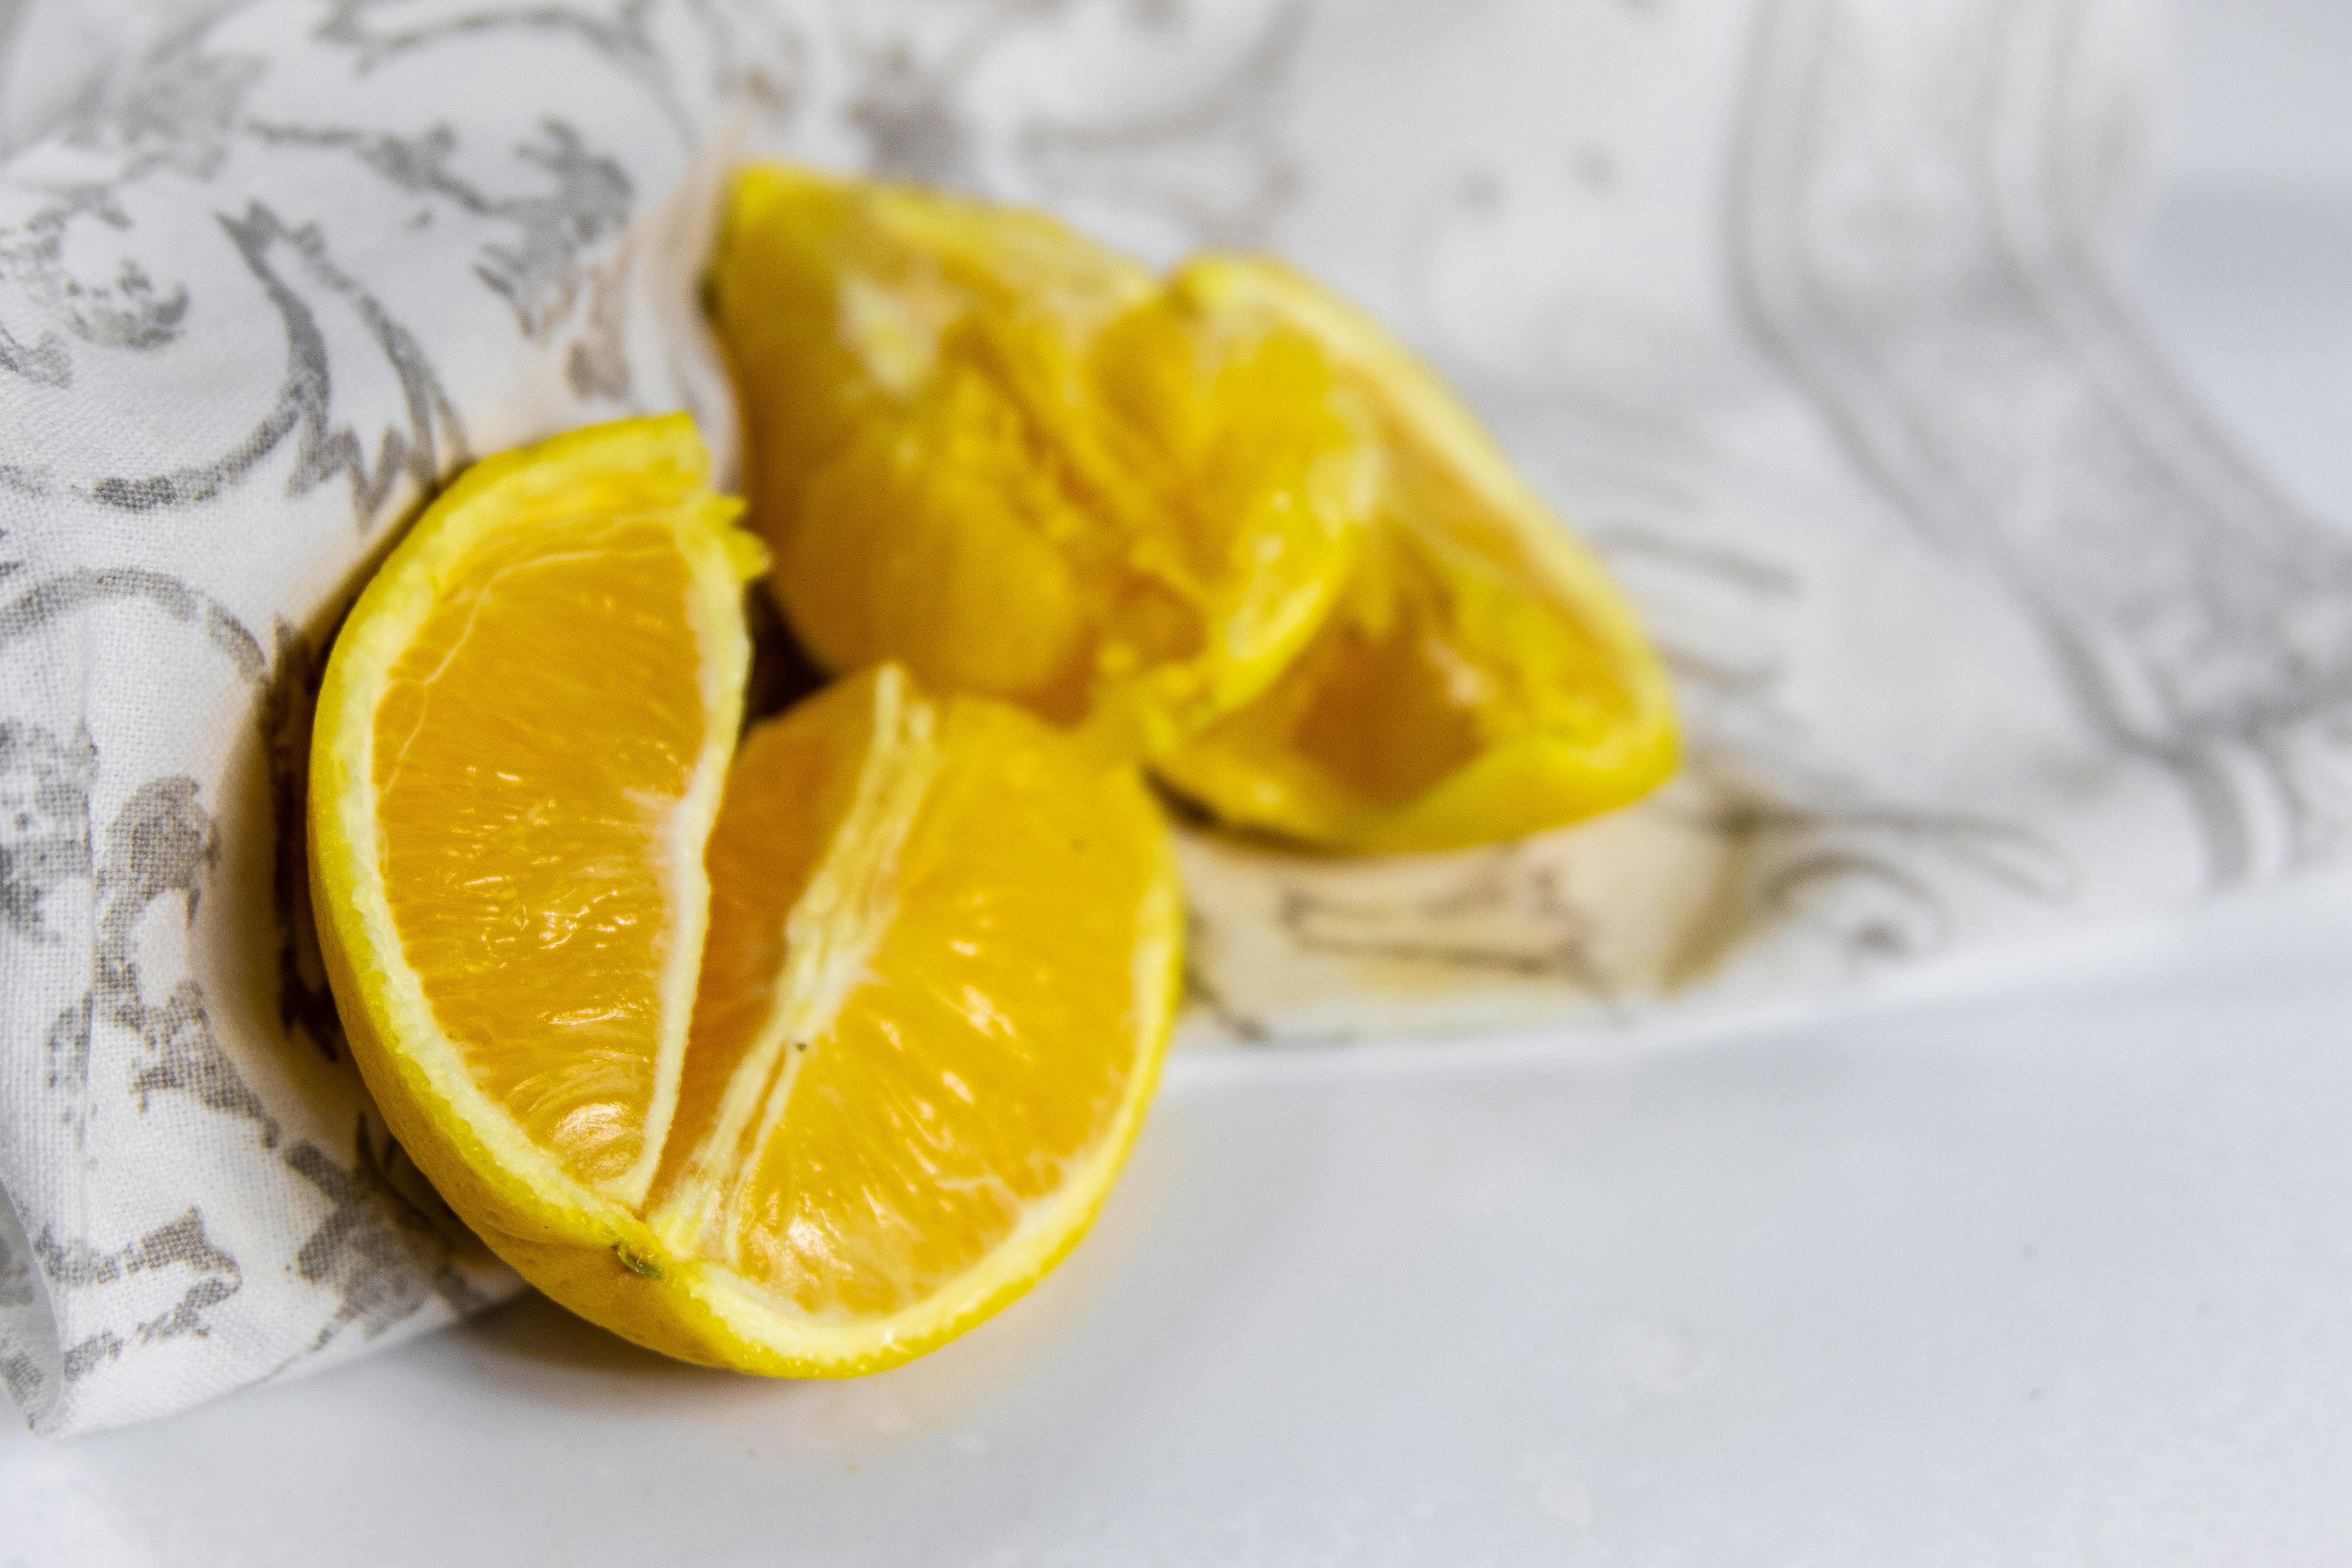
<point>1509,791</point>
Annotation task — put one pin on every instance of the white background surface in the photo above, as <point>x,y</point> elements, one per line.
<point>2038,1267</point>
<point>2044,1261</point>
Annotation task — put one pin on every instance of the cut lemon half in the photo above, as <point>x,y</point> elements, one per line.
<point>1480,678</point>
<point>800,1067</point>
<point>993,450</point>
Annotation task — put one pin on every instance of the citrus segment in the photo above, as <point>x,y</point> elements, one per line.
<point>527,871</point>
<point>1007,457</point>
<point>920,1056</point>
<point>1479,678</point>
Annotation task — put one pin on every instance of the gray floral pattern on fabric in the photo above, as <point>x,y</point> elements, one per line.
<point>129,892</point>
<point>304,406</point>
<point>44,820</point>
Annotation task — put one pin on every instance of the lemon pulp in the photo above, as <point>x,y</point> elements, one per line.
<point>1479,678</point>
<point>988,448</point>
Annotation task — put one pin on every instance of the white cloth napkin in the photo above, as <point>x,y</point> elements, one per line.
<point>1798,307</point>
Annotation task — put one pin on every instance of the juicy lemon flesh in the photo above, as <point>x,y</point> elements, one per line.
<point>532,914</point>
<point>799,1065</point>
<point>538,860</point>
<point>1479,678</point>
<point>790,789</point>
<point>908,1048</point>
<point>1008,458</point>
